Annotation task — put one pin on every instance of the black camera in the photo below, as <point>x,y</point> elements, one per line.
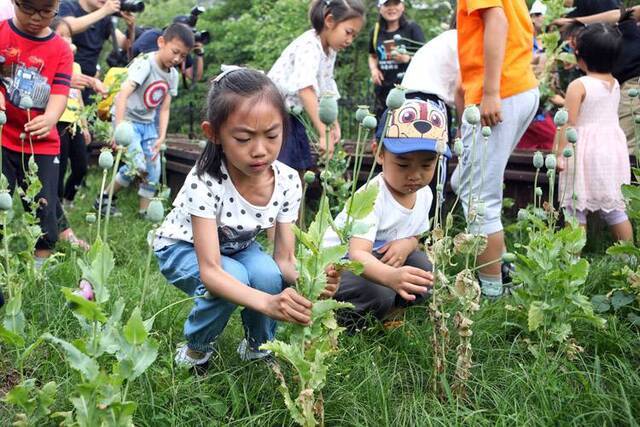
<point>202,37</point>
<point>135,6</point>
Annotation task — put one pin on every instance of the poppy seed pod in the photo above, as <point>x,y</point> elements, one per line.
<point>439,188</point>
<point>155,211</point>
<point>124,133</point>
<point>202,143</point>
<point>441,146</point>
<point>163,147</point>
<point>362,112</point>
<point>105,160</point>
<point>572,135</point>
<point>538,191</point>
<point>567,152</point>
<point>550,161</point>
<point>6,202</point>
<point>26,102</point>
<point>538,160</point>
<point>561,118</point>
<point>508,257</point>
<point>633,93</point>
<point>397,38</point>
<point>636,119</point>
<point>328,109</point>
<point>458,147</point>
<point>309,177</point>
<point>472,115</point>
<point>325,175</point>
<point>22,136</point>
<point>297,110</point>
<point>486,131</point>
<point>370,122</point>
<point>523,215</point>
<point>3,118</point>
<point>90,217</point>
<point>396,98</point>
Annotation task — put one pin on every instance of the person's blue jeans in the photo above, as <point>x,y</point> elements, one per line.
<point>208,318</point>
<point>141,150</point>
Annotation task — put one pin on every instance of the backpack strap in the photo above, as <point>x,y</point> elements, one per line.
<point>376,33</point>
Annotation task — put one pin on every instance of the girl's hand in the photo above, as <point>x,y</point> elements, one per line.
<point>561,163</point>
<point>289,306</point>
<point>99,87</point>
<point>377,77</point>
<point>325,146</point>
<point>41,126</point>
<point>395,253</point>
<point>87,136</point>
<point>333,282</point>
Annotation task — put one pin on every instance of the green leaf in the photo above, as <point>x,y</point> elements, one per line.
<point>75,358</point>
<point>135,360</point>
<point>619,299</point>
<point>600,303</point>
<point>536,314</point>
<point>97,273</point>
<point>634,319</point>
<point>87,309</point>
<point>134,331</point>
<point>320,224</point>
<point>363,202</point>
<point>356,267</point>
<point>624,248</point>
<point>332,255</point>
<point>10,338</point>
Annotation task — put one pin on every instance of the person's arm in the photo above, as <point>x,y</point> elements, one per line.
<point>284,252</point>
<point>125,42</point>
<point>198,51</point>
<point>405,281</point>
<point>396,252</point>
<point>496,27</point>
<point>82,23</point>
<point>41,126</point>
<point>310,104</point>
<point>573,101</point>
<point>163,123</point>
<point>611,17</point>
<point>127,88</point>
<point>376,74</point>
<point>287,306</point>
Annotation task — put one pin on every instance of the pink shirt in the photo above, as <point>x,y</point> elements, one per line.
<point>6,10</point>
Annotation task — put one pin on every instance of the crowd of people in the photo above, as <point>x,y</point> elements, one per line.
<point>248,177</point>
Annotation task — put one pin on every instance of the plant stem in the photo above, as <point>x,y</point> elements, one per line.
<point>113,180</point>
<point>145,283</point>
<point>104,181</point>
<point>379,148</point>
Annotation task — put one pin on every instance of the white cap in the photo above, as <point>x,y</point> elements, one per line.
<point>382,2</point>
<point>538,7</point>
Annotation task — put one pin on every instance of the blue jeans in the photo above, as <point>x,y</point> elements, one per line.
<point>140,149</point>
<point>208,317</point>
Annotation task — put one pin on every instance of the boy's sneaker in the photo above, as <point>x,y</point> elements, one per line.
<point>183,359</point>
<point>105,201</point>
<point>491,290</point>
<point>247,354</point>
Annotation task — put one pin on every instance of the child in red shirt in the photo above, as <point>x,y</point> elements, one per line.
<point>35,76</point>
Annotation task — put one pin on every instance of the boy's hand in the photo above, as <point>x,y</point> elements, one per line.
<point>2,105</point>
<point>41,126</point>
<point>561,163</point>
<point>491,110</point>
<point>289,306</point>
<point>395,253</point>
<point>156,148</point>
<point>410,281</point>
<point>333,282</point>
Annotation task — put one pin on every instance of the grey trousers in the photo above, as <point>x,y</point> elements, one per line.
<point>370,298</point>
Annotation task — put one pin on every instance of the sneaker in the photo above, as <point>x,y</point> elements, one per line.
<point>115,212</point>
<point>183,359</point>
<point>491,290</point>
<point>247,354</point>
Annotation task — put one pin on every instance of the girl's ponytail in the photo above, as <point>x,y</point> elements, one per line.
<point>341,10</point>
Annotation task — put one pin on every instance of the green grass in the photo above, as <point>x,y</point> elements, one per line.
<point>379,377</point>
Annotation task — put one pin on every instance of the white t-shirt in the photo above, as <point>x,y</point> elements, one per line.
<point>302,64</point>
<point>238,221</point>
<point>6,10</point>
<point>434,68</point>
<point>389,220</point>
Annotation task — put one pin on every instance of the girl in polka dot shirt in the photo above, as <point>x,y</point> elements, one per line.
<point>207,244</point>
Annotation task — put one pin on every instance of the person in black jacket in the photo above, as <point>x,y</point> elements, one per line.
<point>387,61</point>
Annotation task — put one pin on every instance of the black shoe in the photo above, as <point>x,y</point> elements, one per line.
<point>105,201</point>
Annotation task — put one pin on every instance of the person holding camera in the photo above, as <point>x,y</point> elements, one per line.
<point>91,24</point>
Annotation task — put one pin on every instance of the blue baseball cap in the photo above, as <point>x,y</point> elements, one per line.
<point>416,126</point>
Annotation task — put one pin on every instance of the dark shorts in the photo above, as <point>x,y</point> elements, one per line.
<point>296,151</point>
<point>372,299</point>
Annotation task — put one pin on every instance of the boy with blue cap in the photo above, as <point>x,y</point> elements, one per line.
<point>396,273</point>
